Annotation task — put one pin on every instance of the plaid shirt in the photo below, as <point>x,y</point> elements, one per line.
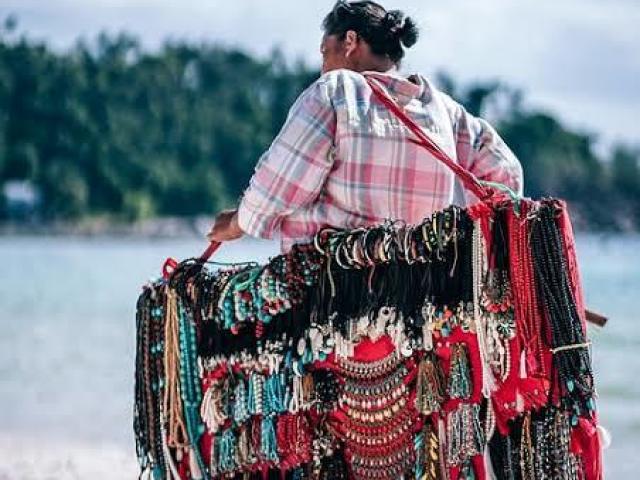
<point>343,159</point>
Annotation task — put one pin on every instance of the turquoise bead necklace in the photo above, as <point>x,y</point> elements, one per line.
<point>240,410</point>
<point>190,388</point>
<point>227,451</point>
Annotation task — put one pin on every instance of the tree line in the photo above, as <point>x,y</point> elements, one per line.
<point>109,129</point>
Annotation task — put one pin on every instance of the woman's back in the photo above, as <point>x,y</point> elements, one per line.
<point>343,159</point>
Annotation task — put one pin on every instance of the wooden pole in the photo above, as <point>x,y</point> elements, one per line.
<point>596,318</point>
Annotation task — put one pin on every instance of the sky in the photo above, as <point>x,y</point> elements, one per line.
<point>579,59</point>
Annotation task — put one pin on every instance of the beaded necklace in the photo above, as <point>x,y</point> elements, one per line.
<point>530,325</point>
<point>149,381</point>
<point>465,436</point>
<point>569,347</point>
<point>190,388</point>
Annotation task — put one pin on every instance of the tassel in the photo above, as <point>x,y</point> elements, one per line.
<point>308,390</point>
<point>605,437</point>
<point>269,444</point>
<point>467,472</point>
<point>527,459</point>
<point>244,454</point>
<point>488,466</point>
<point>442,443</point>
<point>177,430</point>
<point>255,394</point>
<point>213,456</point>
<point>522,375</point>
<point>194,468</point>
<point>465,437</point>
<point>147,474</point>
<point>227,451</point>
<point>172,470</point>
<point>418,446</point>
<point>429,386</point>
<point>240,410</point>
<point>432,464</point>
<point>428,317</point>
<point>460,383</point>
<point>296,403</point>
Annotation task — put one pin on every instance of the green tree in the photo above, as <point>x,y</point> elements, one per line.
<point>108,128</point>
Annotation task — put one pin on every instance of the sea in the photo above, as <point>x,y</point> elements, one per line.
<point>67,336</point>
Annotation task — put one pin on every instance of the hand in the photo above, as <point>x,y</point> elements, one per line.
<point>225,227</point>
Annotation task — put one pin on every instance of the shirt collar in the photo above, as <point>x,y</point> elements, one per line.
<point>403,87</point>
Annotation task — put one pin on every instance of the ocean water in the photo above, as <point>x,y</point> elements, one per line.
<point>67,334</point>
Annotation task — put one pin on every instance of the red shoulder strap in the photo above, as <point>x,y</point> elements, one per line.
<point>468,179</point>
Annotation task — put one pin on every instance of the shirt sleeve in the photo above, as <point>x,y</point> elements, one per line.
<point>292,172</point>
<point>483,152</point>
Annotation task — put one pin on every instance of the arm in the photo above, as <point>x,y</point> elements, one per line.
<point>482,151</point>
<point>291,173</point>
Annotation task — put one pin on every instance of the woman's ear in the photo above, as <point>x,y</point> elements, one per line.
<point>350,42</point>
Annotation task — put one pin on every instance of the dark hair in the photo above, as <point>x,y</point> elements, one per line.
<point>385,31</point>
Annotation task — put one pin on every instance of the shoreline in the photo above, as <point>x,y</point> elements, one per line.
<point>163,227</point>
<point>177,228</point>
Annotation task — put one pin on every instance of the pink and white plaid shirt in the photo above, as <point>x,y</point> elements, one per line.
<point>343,159</point>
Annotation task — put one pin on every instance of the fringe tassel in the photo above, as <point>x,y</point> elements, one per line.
<point>172,470</point>
<point>429,386</point>
<point>432,458</point>
<point>460,383</point>
<point>465,438</point>
<point>177,430</point>
<point>442,444</point>
<point>194,468</point>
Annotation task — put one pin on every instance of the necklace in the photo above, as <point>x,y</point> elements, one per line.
<point>378,430</point>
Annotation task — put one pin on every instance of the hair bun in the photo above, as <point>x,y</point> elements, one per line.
<point>401,27</point>
<point>409,32</point>
<point>386,32</point>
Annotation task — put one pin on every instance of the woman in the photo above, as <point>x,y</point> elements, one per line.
<point>343,159</point>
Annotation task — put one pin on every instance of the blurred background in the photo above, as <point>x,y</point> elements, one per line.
<point>125,125</point>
